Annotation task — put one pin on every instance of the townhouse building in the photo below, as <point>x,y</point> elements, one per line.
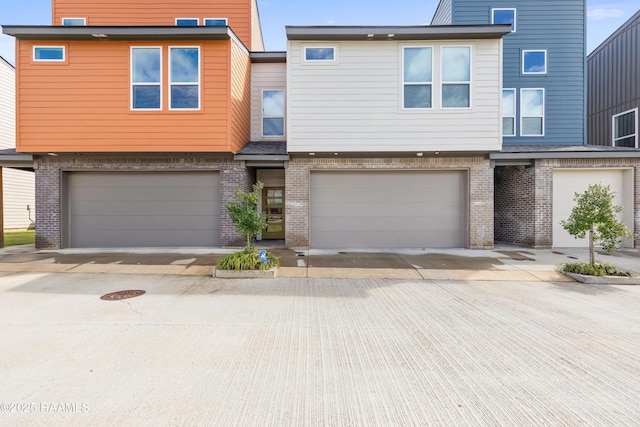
<point>545,158</point>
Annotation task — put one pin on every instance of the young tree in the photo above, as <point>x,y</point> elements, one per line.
<point>244,214</point>
<point>595,214</point>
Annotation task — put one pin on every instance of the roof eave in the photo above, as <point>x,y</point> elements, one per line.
<point>117,33</point>
<point>395,33</point>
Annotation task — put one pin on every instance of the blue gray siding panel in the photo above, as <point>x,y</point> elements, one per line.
<point>443,14</point>
<point>613,80</point>
<point>557,26</point>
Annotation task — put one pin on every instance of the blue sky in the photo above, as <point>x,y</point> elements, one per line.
<point>604,16</point>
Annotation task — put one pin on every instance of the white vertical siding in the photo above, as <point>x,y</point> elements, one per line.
<point>17,185</point>
<point>18,190</point>
<point>354,104</point>
<point>7,105</point>
<point>264,76</point>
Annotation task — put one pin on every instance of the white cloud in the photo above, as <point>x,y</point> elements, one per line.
<point>600,14</point>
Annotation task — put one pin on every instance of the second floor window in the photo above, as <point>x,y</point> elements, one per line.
<point>74,22</point>
<point>625,129</point>
<point>417,70</point>
<point>532,112</point>
<point>146,74</point>
<point>508,112</point>
<point>187,22</point>
<point>273,113</point>
<point>504,16</point>
<point>534,62</point>
<point>456,77</point>
<point>184,78</point>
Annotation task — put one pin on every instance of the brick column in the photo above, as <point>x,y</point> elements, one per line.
<point>481,211</point>
<point>231,174</point>
<point>48,221</point>
<point>297,211</point>
<point>543,212</point>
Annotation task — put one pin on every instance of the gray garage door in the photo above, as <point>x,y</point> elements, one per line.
<point>146,209</point>
<point>388,209</point>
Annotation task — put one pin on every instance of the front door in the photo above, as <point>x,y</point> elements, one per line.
<point>273,206</point>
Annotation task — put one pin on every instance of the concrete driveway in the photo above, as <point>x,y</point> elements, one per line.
<point>316,352</point>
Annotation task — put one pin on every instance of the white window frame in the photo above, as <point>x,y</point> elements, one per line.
<point>503,116</point>
<point>429,83</point>
<point>534,73</point>
<point>284,112</point>
<point>64,53</point>
<point>613,127</point>
<point>187,19</point>
<point>204,21</point>
<point>320,61</point>
<point>544,110</point>
<point>131,82</point>
<point>444,82</point>
<point>199,82</point>
<point>515,16</point>
<point>84,22</point>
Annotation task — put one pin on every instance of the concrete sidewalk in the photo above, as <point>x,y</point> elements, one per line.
<point>507,263</point>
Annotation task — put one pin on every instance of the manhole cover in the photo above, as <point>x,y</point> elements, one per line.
<point>114,296</point>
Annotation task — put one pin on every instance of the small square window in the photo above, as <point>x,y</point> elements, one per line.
<point>187,22</point>
<point>504,16</point>
<point>48,53</point>
<point>320,53</point>
<point>74,22</point>
<point>215,22</point>
<point>534,62</point>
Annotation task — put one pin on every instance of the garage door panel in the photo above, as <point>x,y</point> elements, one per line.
<point>567,182</point>
<point>144,209</point>
<point>388,209</point>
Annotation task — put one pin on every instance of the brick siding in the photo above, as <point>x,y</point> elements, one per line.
<point>480,189</point>
<point>49,186</point>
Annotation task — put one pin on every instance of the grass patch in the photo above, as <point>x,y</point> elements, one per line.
<point>594,269</point>
<point>241,261</point>
<point>15,238</point>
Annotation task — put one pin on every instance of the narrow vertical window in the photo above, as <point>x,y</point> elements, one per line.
<point>146,76</point>
<point>508,112</point>
<point>504,16</point>
<point>534,62</point>
<point>273,113</point>
<point>456,77</point>
<point>625,129</point>
<point>184,78</point>
<point>532,112</point>
<point>417,64</point>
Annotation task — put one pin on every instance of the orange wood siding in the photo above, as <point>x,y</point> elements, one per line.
<point>84,105</point>
<point>157,12</point>
<point>240,124</point>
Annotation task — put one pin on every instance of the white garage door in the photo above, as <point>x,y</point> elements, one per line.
<point>388,209</point>
<point>145,209</point>
<point>567,182</point>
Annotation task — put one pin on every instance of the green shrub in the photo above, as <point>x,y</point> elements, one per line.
<point>247,261</point>
<point>594,269</point>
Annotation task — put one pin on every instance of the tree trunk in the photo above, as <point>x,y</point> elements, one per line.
<point>592,252</point>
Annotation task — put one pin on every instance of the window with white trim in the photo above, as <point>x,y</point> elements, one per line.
<point>187,22</point>
<point>508,112</point>
<point>504,16</point>
<point>184,78</point>
<point>417,80</point>
<point>215,22</point>
<point>272,113</point>
<point>146,78</point>
<point>531,112</point>
<point>625,129</point>
<point>456,76</point>
<point>49,53</point>
<point>534,62</point>
<point>74,22</point>
<point>319,53</point>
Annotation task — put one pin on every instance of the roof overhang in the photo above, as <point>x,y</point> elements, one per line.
<point>10,159</point>
<point>268,57</point>
<point>115,33</point>
<point>520,155</point>
<point>397,33</point>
